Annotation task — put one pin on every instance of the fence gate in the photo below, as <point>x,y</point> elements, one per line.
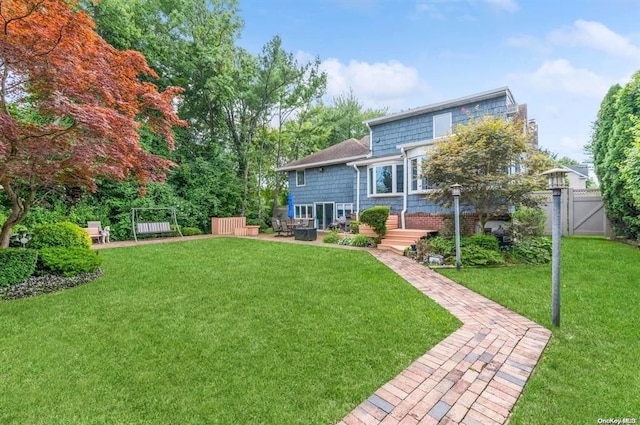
<point>582,212</point>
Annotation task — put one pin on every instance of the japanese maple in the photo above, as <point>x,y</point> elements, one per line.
<point>71,105</point>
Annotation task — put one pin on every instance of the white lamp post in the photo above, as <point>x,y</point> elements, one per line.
<point>455,190</point>
<point>556,181</point>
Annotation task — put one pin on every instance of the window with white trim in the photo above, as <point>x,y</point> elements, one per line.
<point>417,182</point>
<point>303,211</point>
<point>386,179</point>
<point>300,177</point>
<point>344,210</point>
<point>442,125</point>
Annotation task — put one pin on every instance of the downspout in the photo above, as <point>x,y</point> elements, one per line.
<point>355,167</point>
<point>405,195</point>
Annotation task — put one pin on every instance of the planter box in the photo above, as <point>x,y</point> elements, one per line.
<point>305,234</point>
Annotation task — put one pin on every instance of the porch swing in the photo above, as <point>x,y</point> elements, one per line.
<point>152,227</point>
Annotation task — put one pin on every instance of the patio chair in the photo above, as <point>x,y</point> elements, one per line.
<point>277,226</point>
<point>287,229</point>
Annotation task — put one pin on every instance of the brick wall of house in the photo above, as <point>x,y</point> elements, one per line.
<point>425,221</point>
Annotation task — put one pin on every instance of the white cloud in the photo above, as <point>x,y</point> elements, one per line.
<point>375,84</point>
<point>597,36</point>
<point>560,75</point>
<point>506,5</point>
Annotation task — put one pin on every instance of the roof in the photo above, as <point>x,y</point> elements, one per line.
<point>340,153</point>
<point>581,170</point>
<point>502,91</point>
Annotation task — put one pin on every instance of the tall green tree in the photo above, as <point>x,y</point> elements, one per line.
<point>495,162</point>
<point>612,142</point>
<point>270,86</point>
<point>344,118</point>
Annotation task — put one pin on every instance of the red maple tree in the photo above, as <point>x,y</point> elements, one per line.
<point>71,105</point>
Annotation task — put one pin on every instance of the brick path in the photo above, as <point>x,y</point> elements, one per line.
<point>474,376</point>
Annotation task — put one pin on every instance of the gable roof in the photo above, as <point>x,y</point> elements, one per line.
<point>502,91</point>
<point>340,153</point>
<point>581,170</point>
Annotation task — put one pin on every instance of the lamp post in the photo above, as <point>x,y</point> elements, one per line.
<point>455,190</point>
<point>556,181</point>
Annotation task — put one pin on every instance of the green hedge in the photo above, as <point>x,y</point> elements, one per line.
<point>63,235</point>
<point>17,265</point>
<point>68,261</point>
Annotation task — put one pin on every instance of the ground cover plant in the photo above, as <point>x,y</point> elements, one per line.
<point>217,330</point>
<point>589,370</point>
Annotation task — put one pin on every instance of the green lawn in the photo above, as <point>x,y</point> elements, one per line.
<point>590,367</point>
<point>228,331</point>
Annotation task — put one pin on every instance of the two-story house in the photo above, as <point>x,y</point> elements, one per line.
<point>385,167</point>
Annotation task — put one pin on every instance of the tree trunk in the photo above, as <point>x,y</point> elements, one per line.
<point>19,210</point>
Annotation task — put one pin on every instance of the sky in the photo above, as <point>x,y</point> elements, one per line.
<point>559,57</point>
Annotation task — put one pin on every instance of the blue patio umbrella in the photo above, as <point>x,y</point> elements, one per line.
<point>290,206</point>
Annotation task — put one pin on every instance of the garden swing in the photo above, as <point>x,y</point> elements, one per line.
<point>152,227</point>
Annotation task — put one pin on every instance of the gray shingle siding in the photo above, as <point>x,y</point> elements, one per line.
<point>414,129</point>
<point>335,184</point>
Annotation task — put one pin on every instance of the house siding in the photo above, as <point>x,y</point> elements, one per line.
<point>414,129</point>
<point>335,184</point>
<point>387,136</point>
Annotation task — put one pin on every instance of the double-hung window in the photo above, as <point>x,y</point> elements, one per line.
<point>442,125</point>
<point>418,183</point>
<point>300,178</point>
<point>386,179</point>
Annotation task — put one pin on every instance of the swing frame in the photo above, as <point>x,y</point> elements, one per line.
<point>156,227</point>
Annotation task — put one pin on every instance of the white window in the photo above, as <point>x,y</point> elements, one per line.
<point>300,178</point>
<point>344,210</point>
<point>303,211</point>
<point>441,125</point>
<point>418,183</point>
<point>387,179</point>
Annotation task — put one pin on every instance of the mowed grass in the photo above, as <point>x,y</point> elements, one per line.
<point>215,331</point>
<point>589,370</point>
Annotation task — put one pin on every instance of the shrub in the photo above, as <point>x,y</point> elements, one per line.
<point>361,240</point>
<point>62,235</point>
<point>441,246</point>
<point>474,255</point>
<point>331,237</point>
<point>17,265</point>
<point>527,222</point>
<point>190,231</point>
<point>354,226</point>
<point>489,242</point>
<point>376,217</point>
<point>357,240</point>
<point>532,250</point>
<point>68,261</point>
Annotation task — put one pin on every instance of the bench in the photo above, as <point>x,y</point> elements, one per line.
<point>94,233</point>
<point>158,227</point>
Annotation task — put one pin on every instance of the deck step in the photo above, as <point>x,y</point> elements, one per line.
<point>397,240</point>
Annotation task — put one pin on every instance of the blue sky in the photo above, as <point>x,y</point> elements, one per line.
<point>559,57</point>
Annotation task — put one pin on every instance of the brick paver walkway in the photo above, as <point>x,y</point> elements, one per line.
<point>474,376</point>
